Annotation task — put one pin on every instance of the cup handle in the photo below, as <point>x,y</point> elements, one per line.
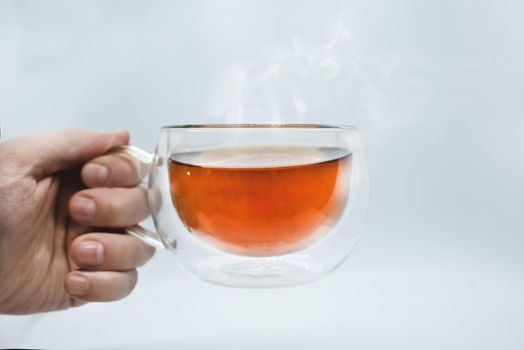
<point>147,236</point>
<point>146,159</point>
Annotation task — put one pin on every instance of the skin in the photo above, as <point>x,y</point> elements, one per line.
<point>64,202</point>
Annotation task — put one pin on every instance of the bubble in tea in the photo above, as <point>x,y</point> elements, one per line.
<point>260,200</point>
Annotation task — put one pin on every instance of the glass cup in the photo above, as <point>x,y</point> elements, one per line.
<point>256,205</point>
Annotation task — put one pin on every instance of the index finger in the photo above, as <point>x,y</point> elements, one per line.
<point>116,169</point>
<point>43,154</point>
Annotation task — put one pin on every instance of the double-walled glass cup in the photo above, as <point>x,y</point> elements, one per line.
<point>256,205</point>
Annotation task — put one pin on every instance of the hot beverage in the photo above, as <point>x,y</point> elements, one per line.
<point>260,200</point>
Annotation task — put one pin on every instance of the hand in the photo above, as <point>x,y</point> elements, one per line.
<point>60,242</point>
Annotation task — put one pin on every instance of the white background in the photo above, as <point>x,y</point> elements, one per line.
<point>437,89</point>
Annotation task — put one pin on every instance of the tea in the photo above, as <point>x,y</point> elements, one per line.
<point>260,200</point>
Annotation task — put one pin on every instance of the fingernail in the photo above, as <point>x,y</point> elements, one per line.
<point>90,252</point>
<point>77,285</point>
<point>85,209</point>
<point>96,171</point>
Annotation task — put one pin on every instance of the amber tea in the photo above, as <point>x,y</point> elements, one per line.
<point>260,200</point>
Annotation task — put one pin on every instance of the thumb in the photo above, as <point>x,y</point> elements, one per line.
<point>43,154</point>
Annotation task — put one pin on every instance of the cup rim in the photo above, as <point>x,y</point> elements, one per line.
<point>261,126</point>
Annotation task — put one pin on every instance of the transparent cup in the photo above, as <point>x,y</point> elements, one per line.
<point>256,205</point>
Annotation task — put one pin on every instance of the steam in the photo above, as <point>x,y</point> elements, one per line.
<point>337,81</point>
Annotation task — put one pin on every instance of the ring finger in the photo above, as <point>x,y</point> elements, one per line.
<point>109,251</point>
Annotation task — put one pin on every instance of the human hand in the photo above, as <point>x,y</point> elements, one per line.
<point>61,215</point>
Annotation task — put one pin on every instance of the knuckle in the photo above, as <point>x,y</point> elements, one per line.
<point>121,206</point>
<point>143,200</point>
<point>150,251</point>
<point>127,167</point>
<point>145,253</point>
<point>110,209</point>
<point>131,281</point>
<point>133,166</point>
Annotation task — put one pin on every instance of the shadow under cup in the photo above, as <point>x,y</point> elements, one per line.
<point>258,205</point>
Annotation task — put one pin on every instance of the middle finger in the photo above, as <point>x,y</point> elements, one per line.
<point>110,207</point>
